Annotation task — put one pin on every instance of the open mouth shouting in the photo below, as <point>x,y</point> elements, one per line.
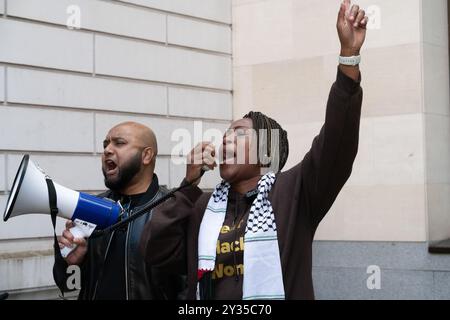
<point>110,167</point>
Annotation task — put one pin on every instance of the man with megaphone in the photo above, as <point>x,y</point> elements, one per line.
<point>111,266</point>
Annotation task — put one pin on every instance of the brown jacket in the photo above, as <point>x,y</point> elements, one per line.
<point>300,199</point>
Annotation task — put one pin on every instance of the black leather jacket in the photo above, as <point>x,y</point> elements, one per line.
<point>141,283</point>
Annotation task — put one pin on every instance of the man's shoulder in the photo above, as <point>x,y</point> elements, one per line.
<point>105,194</point>
<point>163,190</point>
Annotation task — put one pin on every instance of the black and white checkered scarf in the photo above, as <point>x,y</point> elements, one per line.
<point>262,266</point>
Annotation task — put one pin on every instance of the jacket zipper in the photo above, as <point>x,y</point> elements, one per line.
<point>126,259</point>
<point>104,260</point>
<point>126,251</point>
<point>126,245</point>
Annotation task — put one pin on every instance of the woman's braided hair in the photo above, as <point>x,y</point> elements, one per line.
<point>274,146</point>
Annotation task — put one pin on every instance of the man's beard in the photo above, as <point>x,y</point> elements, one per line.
<point>124,175</point>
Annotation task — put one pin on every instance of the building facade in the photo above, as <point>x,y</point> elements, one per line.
<point>70,70</point>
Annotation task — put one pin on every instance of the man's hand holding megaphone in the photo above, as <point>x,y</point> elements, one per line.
<point>67,239</point>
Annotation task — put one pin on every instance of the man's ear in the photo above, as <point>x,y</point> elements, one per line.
<point>148,155</point>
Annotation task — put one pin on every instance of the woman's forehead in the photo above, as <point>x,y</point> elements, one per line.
<point>242,123</point>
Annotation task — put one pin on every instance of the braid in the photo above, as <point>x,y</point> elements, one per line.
<point>277,150</point>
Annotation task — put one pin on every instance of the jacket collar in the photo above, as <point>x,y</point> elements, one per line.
<point>139,199</point>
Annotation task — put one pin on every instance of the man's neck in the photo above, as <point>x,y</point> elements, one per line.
<point>137,188</point>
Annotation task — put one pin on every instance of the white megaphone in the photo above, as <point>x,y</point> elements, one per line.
<point>30,194</point>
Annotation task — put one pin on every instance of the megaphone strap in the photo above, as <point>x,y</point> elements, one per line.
<point>53,203</point>
<point>52,199</point>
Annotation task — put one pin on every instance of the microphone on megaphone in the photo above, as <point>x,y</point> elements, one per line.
<point>33,192</point>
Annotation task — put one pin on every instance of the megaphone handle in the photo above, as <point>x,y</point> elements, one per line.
<point>80,230</point>
<point>77,233</point>
<point>65,251</point>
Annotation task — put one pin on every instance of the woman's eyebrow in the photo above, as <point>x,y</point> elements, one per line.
<point>240,127</point>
